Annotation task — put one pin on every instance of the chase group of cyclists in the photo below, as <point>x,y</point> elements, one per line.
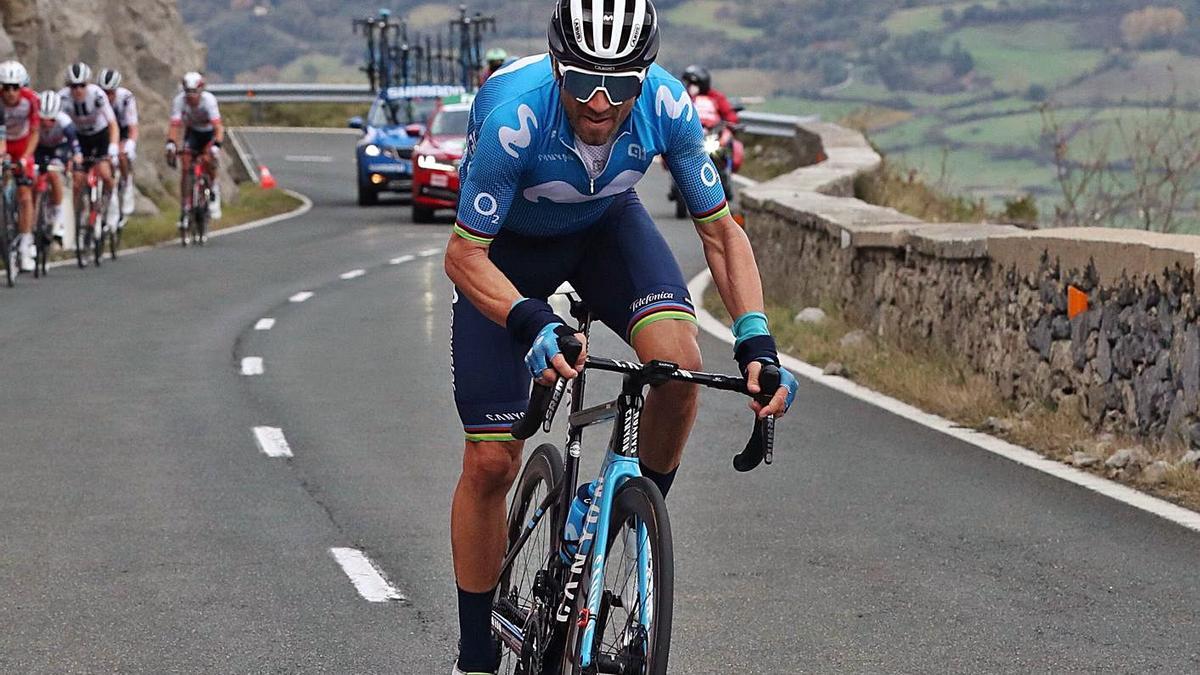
<point>92,123</point>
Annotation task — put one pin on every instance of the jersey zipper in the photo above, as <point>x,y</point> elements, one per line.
<point>607,162</point>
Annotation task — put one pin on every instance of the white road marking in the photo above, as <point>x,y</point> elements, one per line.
<point>303,296</point>
<point>308,159</point>
<point>252,365</point>
<point>402,259</point>
<point>369,581</point>
<point>1139,500</point>
<point>272,442</point>
<point>264,324</point>
<point>353,274</point>
<point>429,252</point>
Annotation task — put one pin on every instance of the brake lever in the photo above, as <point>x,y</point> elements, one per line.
<point>761,446</point>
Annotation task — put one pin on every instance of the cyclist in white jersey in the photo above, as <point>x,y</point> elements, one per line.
<point>195,112</point>
<point>125,107</point>
<point>58,146</point>
<point>99,136</point>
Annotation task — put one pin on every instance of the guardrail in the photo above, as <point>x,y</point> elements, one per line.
<point>292,93</point>
<point>762,124</point>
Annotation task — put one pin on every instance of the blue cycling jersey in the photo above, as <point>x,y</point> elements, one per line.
<point>521,171</point>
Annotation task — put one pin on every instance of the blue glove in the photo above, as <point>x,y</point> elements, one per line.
<point>787,379</point>
<point>545,348</point>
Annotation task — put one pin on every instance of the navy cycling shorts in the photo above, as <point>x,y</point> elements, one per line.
<point>620,266</point>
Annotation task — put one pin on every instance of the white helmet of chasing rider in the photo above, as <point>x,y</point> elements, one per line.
<point>12,72</point>
<point>51,104</point>
<point>109,79</point>
<point>78,73</point>
<point>192,80</point>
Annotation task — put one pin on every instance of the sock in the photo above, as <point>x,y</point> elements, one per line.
<point>662,480</point>
<point>476,651</point>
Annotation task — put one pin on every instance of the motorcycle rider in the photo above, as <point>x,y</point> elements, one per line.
<point>699,84</point>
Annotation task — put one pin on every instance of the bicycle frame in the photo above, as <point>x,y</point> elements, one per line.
<point>620,465</point>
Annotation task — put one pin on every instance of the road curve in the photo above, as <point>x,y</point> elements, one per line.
<point>146,530</point>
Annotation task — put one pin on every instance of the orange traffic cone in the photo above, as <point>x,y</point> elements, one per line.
<point>265,178</point>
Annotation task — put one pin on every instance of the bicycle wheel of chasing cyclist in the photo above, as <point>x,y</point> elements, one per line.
<point>83,229</point>
<point>633,627</point>
<point>8,244</point>
<point>42,234</point>
<point>200,197</point>
<point>524,596</point>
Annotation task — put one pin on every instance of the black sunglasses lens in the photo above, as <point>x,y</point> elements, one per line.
<point>622,88</point>
<point>78,86</point>
<point>582,85</point>
<point>12,87</point>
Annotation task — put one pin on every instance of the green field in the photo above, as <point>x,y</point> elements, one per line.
<point>706,15</point>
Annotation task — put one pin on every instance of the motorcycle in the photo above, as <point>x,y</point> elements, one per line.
<point>721,145</point>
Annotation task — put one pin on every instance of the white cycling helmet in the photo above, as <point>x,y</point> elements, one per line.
<point>12,72</point>
<point>78,73</point>
<point>109,79</point>
<point>51,104</point>
<point>192,80</point>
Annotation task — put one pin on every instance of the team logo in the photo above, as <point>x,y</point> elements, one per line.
<point>675,108</point>
<point>512,139</point>
<point>708,174</point>
<point>486,205</point>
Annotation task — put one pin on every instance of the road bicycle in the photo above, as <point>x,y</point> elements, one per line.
<point>43,228</point>
<point>603,604</point>
<point>9,214</point>
<point>91,212</point>
<point>195,212</point>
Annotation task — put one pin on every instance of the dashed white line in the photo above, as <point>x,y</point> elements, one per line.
<point>264,324</point>
<point>1111,489</point>
<point>402,259</point>
<point>429,251</point>
<point>300,297</point>
<point>252,365</point>
<point>272,442</point>
<point>353,274</point>
<point>369,581</point>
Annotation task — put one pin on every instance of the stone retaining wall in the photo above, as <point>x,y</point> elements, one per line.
<point>995,294</point>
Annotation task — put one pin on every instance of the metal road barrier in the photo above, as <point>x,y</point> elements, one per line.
<point>758,123</point>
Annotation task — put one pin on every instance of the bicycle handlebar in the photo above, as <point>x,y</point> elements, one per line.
<point>760,447</point>
<point>541,395</point>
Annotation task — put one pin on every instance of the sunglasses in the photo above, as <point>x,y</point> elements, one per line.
<point>11,87</point>
<point>191,91</point>
<point>617,87</point>
<point>79,86</point>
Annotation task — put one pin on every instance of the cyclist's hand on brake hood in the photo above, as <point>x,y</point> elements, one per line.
<point>784,396</point>
<point>754,348</point>
<point>532,321</point>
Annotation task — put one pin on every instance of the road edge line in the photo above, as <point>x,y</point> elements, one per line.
<point>305,206</point>
<point>365,576</point>
<point>1160,507</point>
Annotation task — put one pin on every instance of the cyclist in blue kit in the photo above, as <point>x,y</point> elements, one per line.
<point>556,144</point>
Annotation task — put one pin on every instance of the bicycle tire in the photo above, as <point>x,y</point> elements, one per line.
<point>42,236</point>
<point>202,214</point>
<point>6,245</point>
<point>83,230</point>
<point>543,470</point>
<point>637,500</point>
<point>100,214</point>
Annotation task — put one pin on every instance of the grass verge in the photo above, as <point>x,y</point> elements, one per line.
<point>253,203</point>
<point>944,384</point>
<point>282,115</point>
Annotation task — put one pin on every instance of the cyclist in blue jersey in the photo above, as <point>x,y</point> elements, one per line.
<point>555,145</point>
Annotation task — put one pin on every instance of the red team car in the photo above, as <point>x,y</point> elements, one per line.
<point>436,159</point>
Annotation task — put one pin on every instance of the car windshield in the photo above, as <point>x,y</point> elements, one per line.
<point>400,112</point>
<point>450,123</point>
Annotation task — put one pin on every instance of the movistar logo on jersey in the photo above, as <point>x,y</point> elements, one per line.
<point>675,108</point>
<point>513,139</point>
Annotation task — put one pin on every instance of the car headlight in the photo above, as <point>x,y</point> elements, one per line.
<point>712,144</point>
<point>372,150</point>
<point>433,164</point>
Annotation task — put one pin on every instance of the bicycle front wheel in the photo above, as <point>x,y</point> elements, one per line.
<point>522,619</point>
<point>633,624</point>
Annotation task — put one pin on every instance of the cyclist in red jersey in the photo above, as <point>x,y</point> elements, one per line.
<point>21,108</point>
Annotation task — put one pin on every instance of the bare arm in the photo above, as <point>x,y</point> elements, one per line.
<point>34,134</point>
<point>133,132</point>
<point>173,133</point>
<point>218,131</point>
<point>734,270</point>
<point>479,279</point>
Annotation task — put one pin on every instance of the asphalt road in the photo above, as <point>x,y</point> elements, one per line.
<point>143,531</point>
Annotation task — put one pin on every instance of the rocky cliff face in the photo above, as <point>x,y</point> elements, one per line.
<point>144,39</point>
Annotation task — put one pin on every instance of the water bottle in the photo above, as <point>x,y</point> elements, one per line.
<point>575,520</point>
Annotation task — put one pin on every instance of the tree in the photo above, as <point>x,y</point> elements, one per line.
<point>1152,27</point>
